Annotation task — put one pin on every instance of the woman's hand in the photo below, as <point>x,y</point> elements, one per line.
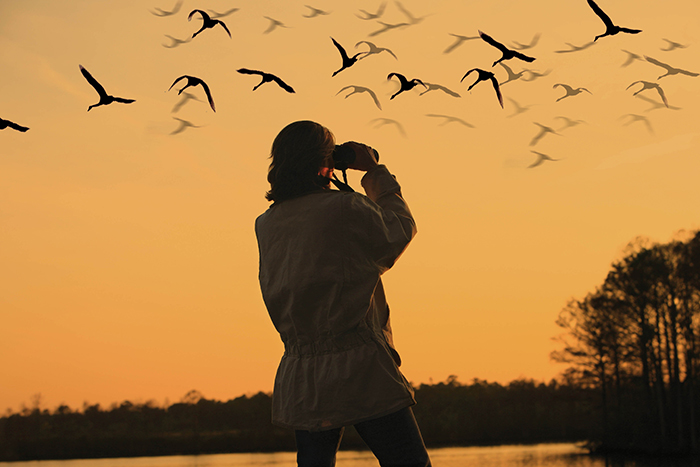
<point>365,159</point>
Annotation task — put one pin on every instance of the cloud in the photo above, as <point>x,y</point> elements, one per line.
<point>643,153</point>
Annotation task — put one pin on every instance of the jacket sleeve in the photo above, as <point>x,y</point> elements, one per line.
<point>388,223</point>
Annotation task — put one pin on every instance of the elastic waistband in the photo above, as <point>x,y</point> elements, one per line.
<point>331,344</point>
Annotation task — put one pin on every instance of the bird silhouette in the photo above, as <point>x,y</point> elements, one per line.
<point>460,40</point>
<point>673,46</point>
<point>347,61</point>
<point>214,14</point>
<point>266,78</point>
<point>437,87</point>
<point>570,91</point>
<point>669,69</point>
<point>518,108</point>
<point>274,24</point>
<point>574,48</point>
<point>511,76</point>
<point>186,97</point>
<point>411,19</point>
<point>380,122</point>
<point>507,54</point>
<point>377,15</point>
<point>207,22</point>
<point>8,124</point>
<point>568,122</point>
<point>450,119</point>
<point>633,118</point>
<point>655,104</point>
<point>533,42</point>
<point>630,58</point>
<point>194,81</point>
<point>105,98</point>
<point>387,27</point>
<point>610,28</point>
<point>184,124</point>
<point>176,8</point>
<point>540,134</point>
<point>361,89</point>
<point>175,42</point>
<point>374,50</point>
<point>650,85</point>
<point>541,158</point>
<point>406,85</point>
<point>315,12</point>
<point>535,74</point>
<point>483,76</point>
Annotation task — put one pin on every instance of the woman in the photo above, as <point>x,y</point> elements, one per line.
<point>322,252</point>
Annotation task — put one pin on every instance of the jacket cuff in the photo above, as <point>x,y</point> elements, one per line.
<point>378,182</point>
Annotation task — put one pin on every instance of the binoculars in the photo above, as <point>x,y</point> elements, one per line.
<point>343,156</point>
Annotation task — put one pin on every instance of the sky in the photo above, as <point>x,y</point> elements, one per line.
<point>127,250</point>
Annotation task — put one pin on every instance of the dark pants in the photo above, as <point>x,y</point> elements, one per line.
<point>394,439</point>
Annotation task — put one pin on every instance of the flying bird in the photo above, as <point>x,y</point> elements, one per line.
<point>411,19</point>
<point>175,42</point>
<point>630,58</point>
<point>450,119</point>
<point>176,8</point>
<point>483,76</point>
<point>507,54</point>
<point>266,78</point>
<point>669,69</point>
<point>207,22</point>
<point>543,131</point>
<point>184,124</point>
<point>8,124</point>
<point>437,87</point>
<point>574,48</point>
<point>638,118</point>
<point>610,28</point>
<point>104,97</point>
<point>673,45</point>
<point>541,158</point>
<point>374,50</point>
<point>518,108</point>
<point>361,89</point>
<point>380,122</point>
<point>215,14</point>
<point>315,12</point>
<point>387,27</point>
<point>186,97</point>
<point>458,42</point>
<point>655,104</point>
<point>533,42</point>
<point>274,24</point>
<point>568,122</point>
<point>570,91</point>
<point>194,81</point>
<point>511,75</point>
<point>406,85</point>
<point>650,85</point>
<point>535,74</point>
<point>347,61</point>
<point>377,15</point>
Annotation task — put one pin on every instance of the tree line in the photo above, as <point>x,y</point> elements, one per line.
<point>449,413</point>
<point>635,339</point>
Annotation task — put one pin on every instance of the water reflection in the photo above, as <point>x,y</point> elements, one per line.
<point>540,455</point>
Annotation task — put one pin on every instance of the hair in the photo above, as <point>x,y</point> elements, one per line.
<point>297,154</point>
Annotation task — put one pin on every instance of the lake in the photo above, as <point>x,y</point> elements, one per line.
<point>539,455</point>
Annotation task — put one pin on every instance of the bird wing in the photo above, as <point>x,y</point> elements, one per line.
<point>601,14</point>
<point>662,94</point>
<point>374,97</point>
<point>205,16</point>
<point>401,78</point>
<point>565,86</point>
<point>246,71</point>
<point>493,42</point>
<point>175,82</point>
<point>467,73</point>
<point>347,87</point>
<point>124,101</point>
<point>494,81</point>
<point>341,50</point>
<point>209,98</point>
<point>657,63</point>
<point>630,31</point>
<point>419,81</point>
<point>282,84</point>
<point>17,127</point>
<point>632,85</point>
<point>224,26</point>
<point>448,91</point>
<point>688,73</point>
<point>93,82</point>
<point>523,57</point>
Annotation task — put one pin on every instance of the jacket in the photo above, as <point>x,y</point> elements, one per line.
<point>321,258</point>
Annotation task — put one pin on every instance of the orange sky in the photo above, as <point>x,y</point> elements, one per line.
<point>129,261</point>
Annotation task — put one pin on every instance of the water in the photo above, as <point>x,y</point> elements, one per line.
<point>540,455</point>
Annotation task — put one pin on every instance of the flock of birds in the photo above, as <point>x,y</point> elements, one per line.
<point>212,19</point>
